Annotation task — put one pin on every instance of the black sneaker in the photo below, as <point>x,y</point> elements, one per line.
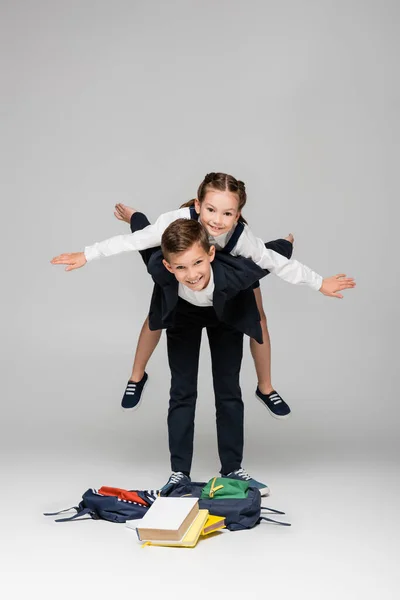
<point>275,404</point>
<point>175,477</point>
<point>242,475</point>
<point>133,393</point>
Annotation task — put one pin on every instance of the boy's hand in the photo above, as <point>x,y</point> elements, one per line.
<point>332,285</point>
<point>74,260</point>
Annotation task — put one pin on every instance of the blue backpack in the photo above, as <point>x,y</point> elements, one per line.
<point>118,506</point>
<point>239,513</point>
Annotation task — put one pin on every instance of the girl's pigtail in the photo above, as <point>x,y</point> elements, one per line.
<point>187,204</point>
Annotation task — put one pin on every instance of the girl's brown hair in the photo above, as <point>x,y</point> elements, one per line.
<point>181,235</point>
<point>221,182</point>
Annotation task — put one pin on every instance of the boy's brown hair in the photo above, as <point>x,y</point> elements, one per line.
<point>181,235</point>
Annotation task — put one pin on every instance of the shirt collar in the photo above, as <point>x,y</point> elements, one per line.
<point>220,241</point>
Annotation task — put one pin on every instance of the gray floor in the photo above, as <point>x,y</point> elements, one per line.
<point>343,542</point>
<point>331,467</point>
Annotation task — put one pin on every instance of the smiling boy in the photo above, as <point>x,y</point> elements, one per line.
<point>196,290</point>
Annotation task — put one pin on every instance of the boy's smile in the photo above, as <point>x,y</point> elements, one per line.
<point>191,267</point>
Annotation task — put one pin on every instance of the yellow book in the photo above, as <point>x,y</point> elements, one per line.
<point>190,538</point>
<point>212,524</point>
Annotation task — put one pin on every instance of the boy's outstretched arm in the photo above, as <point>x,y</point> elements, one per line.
<point>75,260</point>
<point>331,286</point>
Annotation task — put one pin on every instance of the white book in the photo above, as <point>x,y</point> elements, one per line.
<point>133,523</point>
<point>168,518</point>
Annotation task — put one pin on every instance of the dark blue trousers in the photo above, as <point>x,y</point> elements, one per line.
<point>226,349</point>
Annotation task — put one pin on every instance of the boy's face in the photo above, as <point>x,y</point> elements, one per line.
<point>191,267</point>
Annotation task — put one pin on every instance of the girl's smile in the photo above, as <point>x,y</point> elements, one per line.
<point>219,212</point>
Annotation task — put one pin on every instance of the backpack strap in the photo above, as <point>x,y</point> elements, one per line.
<point>61,511</point>
<point>272,510</point>
<point>79,513</point>
<point>276,522</point>
<point>85,511</point>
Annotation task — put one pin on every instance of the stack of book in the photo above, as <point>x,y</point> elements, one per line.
<point>175,522</point>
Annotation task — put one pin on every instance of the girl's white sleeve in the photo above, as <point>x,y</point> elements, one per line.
<point>292,271</point>
<point>149,237</point>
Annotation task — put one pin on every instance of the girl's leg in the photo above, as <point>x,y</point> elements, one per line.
<point>262,359</point>
<point>123,212</point>
<point>148,339</point>
<point>147,343</point>
<point>261,353</point>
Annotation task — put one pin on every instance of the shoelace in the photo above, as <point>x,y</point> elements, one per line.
<point>176,477</point>
<point>243,474</point>
<point>276,399</point>
<point>130,389</point>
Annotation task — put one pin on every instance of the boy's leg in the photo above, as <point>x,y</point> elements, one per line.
<point>226,347</point>
<point>183,345</point>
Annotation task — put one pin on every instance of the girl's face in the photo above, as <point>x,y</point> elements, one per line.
<point>219,211</point>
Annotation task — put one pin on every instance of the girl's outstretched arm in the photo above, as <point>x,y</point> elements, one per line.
<point>292,271</point>
<point>149,237</point>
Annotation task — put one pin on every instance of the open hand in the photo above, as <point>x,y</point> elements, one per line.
<point>331,286</point>
<point>75,260</point>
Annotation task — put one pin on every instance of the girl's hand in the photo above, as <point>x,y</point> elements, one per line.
<point>74,260</point>
<point>332,285</point>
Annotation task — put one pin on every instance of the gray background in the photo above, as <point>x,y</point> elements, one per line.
<point>133,102</point>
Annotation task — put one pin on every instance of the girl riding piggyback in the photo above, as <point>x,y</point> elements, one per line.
<point>218,206</point>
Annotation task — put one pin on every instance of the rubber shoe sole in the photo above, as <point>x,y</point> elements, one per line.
<point>265,491</point>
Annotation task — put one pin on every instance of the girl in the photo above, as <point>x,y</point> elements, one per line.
<point>219,203</point>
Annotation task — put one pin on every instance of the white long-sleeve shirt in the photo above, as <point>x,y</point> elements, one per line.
<point>248,246</point>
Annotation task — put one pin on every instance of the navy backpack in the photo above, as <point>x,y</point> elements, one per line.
<point>239,513</point>
<point>118,505</point>
<point>111,504</point>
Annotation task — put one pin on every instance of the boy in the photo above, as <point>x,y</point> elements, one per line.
<point>193,291</point>
<point>194,288</point>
